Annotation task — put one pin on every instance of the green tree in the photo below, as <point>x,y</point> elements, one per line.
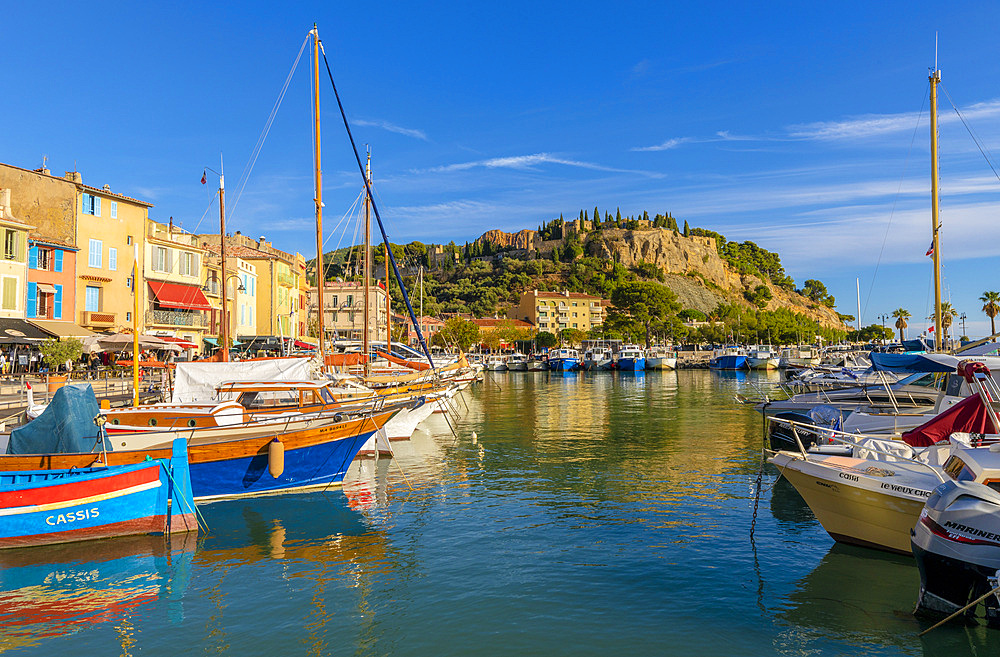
<point>948,314</point>
<point>637,308</point>
<point>56,352</point>
<point>460,332</point>
<point>687,229</point>
<point>991,306</point>
<point>546,340</point>
<point>572,336</point>
<point>760,296</point>
<point>901,315</point>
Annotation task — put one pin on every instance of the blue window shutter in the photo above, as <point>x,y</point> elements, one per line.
<point>83,203</point>
<point>32,299</point>
<point>97,206</point>
<point>33,258</point>
<point>57,308</point>
<point>58,262</point>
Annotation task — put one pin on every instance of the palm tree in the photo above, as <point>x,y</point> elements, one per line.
<point>947,312</point>
<point>991,306</point>
<point>901,315</point>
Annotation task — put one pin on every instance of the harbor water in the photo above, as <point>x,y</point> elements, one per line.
<point>573,514</point>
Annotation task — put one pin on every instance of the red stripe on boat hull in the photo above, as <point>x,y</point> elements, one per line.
<point>74,490</point>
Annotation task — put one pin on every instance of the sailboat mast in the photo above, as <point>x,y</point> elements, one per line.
<point>222,257</point>
<point>318,199</point>
<point>935,78</point>
<point>388,308</point>
<point>368,256</point>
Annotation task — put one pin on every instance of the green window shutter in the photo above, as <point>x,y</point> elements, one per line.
<point>9,293</point>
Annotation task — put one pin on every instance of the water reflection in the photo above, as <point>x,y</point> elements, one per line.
<point>51,591</point>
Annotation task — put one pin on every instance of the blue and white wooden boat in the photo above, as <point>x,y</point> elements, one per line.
<point>598,358</point>
<point>564,360</point>
<point>631,358</point>
<point>729,357</point>
<point>40,507</point>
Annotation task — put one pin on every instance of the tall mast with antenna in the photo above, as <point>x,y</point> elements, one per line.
<point>318,172</point>
<point>368,256</point>
<point>935,79</point>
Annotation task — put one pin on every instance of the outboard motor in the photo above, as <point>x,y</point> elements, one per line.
<point>956,543</point>
<point>781,437</point>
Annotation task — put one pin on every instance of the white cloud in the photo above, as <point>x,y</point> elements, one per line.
<point>530,162</point>
<point>665,146</point>
<point>873,125</point>
<point>392,127</point>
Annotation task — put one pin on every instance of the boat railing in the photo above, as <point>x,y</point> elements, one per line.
<point>765,392</point>
<point>852,440</point>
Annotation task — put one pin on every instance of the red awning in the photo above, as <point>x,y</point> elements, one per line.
<point>180,342</point>
<point>303,345</point>
<point>175,295</point>
<point>968,415</point>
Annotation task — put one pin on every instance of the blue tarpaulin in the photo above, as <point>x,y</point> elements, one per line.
<point>65,426</point>
<point>908,363</point>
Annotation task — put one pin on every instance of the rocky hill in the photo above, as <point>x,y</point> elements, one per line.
<point>692,266</point>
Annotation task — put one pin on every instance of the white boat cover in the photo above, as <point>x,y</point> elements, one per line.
<point>196,381</point>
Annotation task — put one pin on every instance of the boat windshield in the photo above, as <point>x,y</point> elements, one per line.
<point>269,399</point>
<point>956,468</point>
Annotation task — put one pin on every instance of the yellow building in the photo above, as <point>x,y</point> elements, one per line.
<point>109,228</point>
<point>14,265</point>
<point>173,277</point>
<point>345,308</point>
<point>279,302</point>
<point>556,311</point>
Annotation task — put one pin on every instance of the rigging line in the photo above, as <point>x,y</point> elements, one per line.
<point>895,199</point>
<point>241,183</point>
<point>211,204</point>
<point>350,212</point>
<point>385,238</point>
<point>975,137</point>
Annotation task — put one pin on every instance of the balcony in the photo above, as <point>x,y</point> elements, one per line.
<point>98,319</point>
<point>286,280</point>
<point>193,319</point>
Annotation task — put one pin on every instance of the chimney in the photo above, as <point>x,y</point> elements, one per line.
<point>170,225</point>
<point>73,176</point>
<point>43,171</point>
<point>565,293</point>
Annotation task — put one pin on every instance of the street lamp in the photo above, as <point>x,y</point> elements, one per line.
<point>962,319</point>
<point>224,338</point>
<point>883,317</point>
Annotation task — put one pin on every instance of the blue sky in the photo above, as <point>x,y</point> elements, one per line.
<point>801,127</point>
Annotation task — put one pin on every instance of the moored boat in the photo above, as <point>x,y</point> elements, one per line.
<point>729,357</point>
<point>660,358</point>
<point>762,358</point>
<point>517,362</point>
<point>630,359</point>
<point>41,507</point>
<point>564,360</point>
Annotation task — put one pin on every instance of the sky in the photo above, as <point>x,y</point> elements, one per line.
<point>800,126</point>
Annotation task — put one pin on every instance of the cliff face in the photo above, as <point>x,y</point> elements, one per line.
<point>524,239</point>
<point>697,259</point>
<point>692,265</point>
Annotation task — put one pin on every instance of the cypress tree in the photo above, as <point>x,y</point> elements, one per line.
<point>687,230</point>
<point>618,216</point>
<point>597,215</point>
<point>645,215</point>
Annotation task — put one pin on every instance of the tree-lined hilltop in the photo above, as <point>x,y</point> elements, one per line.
<point>704,275</point>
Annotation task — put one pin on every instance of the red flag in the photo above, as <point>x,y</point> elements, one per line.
<point>930,249</point>
<point>930,330</point>
<point>203,179</point>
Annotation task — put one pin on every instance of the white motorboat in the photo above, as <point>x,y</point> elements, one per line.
<point>660,358</point>
<point>517,362</point>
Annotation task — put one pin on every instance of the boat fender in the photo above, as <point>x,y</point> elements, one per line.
<point>276,458</point>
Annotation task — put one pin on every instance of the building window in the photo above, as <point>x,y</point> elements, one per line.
<point>10,244</point>
<point>189,264</point>
<point>128,240</point>
<point>42,306</point>
<point>91,205</point>
<point>128,317</point>
<point>95,254</point>
<point>112,258</point>
<point>9,293</point>
<point>114,209</point>
<point>160,260</point>
<point>93,299</point>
